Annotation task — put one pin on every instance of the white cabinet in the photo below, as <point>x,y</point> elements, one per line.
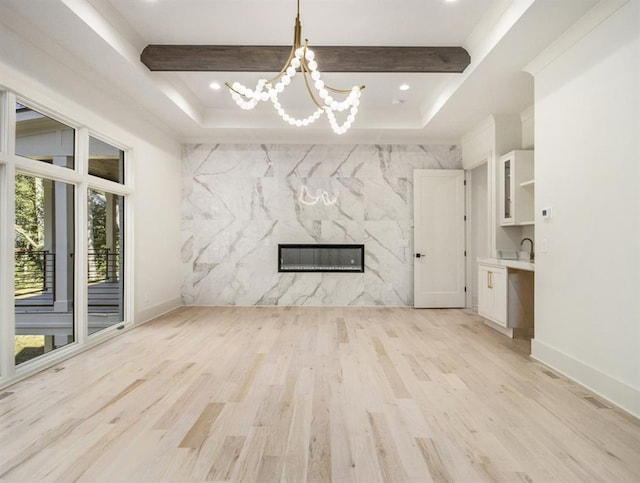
<point>492,293</point>
<point>505,297</point>
<point>516,188</point>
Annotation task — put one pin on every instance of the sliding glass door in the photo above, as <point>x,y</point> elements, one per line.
<point>105,260</point>
<point>43,266</point>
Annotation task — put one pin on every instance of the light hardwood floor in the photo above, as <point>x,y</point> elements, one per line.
<point>311,394</point>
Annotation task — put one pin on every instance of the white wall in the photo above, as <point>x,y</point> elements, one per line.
<point>527,119</point>
<point>156,199</point>
<point>477,226</point>
<point>587,111</point>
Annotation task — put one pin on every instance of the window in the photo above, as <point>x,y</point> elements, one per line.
<point>56,181</point>
<point>106,161</point>
<point>44,139</point>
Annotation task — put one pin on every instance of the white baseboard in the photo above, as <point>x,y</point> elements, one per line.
<point>617,392</point>
<point>157,310</point>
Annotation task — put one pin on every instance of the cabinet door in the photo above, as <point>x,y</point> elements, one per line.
<point>485,293</point>
<point>507,170</point>
<point>492,293</point>
<point>516,206</point>
<point>499,284</point>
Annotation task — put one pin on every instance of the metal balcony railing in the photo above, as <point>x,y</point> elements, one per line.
<point>34,272</point>
<point>103,266</point>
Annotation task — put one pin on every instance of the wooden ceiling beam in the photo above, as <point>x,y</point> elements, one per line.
<point>235,58</point>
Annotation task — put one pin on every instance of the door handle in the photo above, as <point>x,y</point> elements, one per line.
<point>418,255</point>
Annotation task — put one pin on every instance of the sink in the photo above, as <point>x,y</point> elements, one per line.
<point>514,255</point>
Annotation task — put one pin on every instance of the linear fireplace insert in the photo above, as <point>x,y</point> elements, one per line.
<point>320,258</point>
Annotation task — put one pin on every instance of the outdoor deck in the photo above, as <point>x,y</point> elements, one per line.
<point>35,314</point>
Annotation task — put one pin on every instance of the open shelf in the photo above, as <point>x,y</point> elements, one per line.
<point>522,223</point>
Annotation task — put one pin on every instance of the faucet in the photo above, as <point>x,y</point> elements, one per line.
<point>531,254</point>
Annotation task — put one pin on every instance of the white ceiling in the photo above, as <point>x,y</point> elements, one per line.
<point>102,40</point>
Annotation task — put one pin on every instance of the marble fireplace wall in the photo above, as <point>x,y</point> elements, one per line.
<point>240,201</point>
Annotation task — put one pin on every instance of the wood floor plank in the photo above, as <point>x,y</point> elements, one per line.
<point>202,427</point>
<point>312,394</point>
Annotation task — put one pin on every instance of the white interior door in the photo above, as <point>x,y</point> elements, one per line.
<point>439,258</point>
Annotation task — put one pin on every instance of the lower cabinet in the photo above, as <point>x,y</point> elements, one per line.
<point>506,299</point>
<point>492,293</point>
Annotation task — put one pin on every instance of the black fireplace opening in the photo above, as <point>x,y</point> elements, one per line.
<point>320,258</point>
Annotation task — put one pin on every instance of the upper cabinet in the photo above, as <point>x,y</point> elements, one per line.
<point>516,188</point>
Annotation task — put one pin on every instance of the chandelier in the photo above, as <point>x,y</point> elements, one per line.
<point>301,59</point>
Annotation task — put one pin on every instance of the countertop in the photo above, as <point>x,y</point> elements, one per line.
<point>516,264</point>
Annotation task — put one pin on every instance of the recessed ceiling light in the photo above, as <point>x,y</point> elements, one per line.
<point>405,87</point>
<point>215,86</point>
